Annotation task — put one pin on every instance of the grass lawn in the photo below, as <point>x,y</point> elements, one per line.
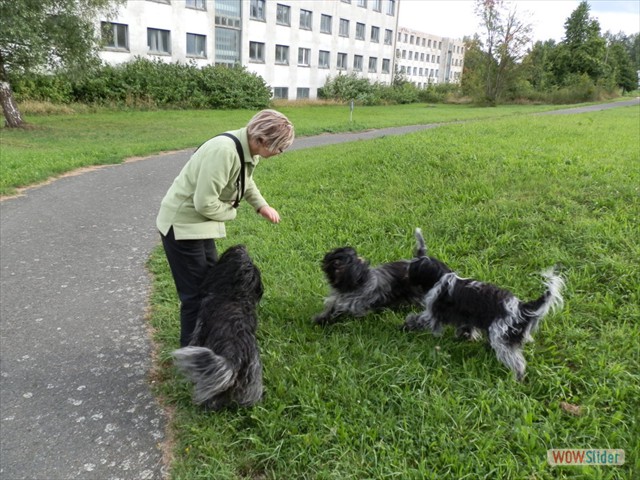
<point>60,143</point>
<point>498,200</point>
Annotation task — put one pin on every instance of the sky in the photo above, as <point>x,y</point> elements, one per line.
<point>456,18</point>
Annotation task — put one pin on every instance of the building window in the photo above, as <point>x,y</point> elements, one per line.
<point>373,64</point>
<point>196,45</point>
<point>323,59</point>
<point>161,1</point>
<point>362,3</point>
<point>386,65</point>
<point>357,63</point>
<point>197,4</point>
<point>282,55</point>
<point>359,31</point>
<point>410,55</point>
<point>391,7</point>
<point>256,10</point>
<point>304,57</point>
<point>388,37</point>
<point>283,15</point>
<point>256,52</point>
<point>305,19</point>
<point>342,61</point>
<point>227,46</point>
<point>115,35</point>
<point>228,14</point>
<point>375,34</point>
<point>377,5</point>
<point>302,93</point>
<point>159,41</point>
<point>344,28</point>
<point>281,92</point>
<point>325,23</point>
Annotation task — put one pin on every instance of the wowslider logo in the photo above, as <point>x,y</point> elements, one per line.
<point>580,457</point>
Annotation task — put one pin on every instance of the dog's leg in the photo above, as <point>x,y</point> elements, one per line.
<point>330,314</point>
<point>249,391</point>
<point>469,333</point>
<point>218,402</point>
<point>421,248</point>
<point>510,355</point>
<point>422,321</point>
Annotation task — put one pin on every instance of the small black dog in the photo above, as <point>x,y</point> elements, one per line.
<point>222,358</point>
<point>473,307</point>
<point>357,288</point>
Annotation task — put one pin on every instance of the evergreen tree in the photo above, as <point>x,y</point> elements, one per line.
<point>583,49</point>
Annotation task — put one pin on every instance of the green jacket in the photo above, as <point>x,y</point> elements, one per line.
<point>201,197</point>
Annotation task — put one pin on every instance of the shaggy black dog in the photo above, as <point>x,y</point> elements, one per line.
<point>357,288</point>
<point>222,358</point>
<point>474,307</point>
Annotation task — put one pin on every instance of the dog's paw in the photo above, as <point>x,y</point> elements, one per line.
<point>412,322</point>
<point>321,320</point>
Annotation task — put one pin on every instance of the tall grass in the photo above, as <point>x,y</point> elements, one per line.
<point>498,200</point>
<point>57,144</point>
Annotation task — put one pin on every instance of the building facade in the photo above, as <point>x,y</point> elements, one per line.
<point>293,45</point>
<point>428,59</point>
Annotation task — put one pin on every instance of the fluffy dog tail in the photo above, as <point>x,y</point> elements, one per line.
<point>550,300</point>
<point>421,248</point>
<point>211,373</point>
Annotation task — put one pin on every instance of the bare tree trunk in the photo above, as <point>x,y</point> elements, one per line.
<point>12,116</point>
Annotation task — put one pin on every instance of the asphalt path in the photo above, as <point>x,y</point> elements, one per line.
<point>75,349</point>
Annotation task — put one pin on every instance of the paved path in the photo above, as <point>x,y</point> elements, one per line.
<point>75,354</point>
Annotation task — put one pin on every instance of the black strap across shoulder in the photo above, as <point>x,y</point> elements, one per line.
<point>240,179</point>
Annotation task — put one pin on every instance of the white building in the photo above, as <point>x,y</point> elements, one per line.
<point>294,45</point>
<point>427,59</point>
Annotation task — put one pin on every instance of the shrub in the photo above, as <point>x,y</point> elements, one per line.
<point>151,84</point>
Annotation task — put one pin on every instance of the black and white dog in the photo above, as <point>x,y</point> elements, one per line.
<point>222,358</point>
<point>474,307</point>
<point>357,288</point>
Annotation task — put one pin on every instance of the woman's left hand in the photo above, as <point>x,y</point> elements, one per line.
<point>270,214</point>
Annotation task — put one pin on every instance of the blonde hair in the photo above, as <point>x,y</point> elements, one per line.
<point>271,128</point>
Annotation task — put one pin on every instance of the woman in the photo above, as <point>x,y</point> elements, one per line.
<point>206,194</point>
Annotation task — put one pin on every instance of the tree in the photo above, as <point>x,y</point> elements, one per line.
<point>504,39</point>
<point>620,59</point>
<point>472,82</point>
<point>46,35</point>
<point>538,64</point>
<point>583,49</point>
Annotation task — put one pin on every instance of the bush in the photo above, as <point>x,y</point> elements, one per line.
<point>151,84</point>
<point>349,87</point>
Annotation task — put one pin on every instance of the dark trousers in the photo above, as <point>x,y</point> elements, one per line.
<point>189,261</point>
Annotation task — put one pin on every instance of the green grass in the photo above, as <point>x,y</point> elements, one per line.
<point>498,200</point>
<point>57,144</point>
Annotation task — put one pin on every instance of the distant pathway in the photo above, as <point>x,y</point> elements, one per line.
<point>75,353</point>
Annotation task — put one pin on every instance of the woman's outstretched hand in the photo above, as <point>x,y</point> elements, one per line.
<point>270,214</point>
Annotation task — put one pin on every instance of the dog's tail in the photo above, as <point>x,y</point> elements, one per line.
<point>421,248</point>
<point>211,373</point>
<point>550,300</point>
